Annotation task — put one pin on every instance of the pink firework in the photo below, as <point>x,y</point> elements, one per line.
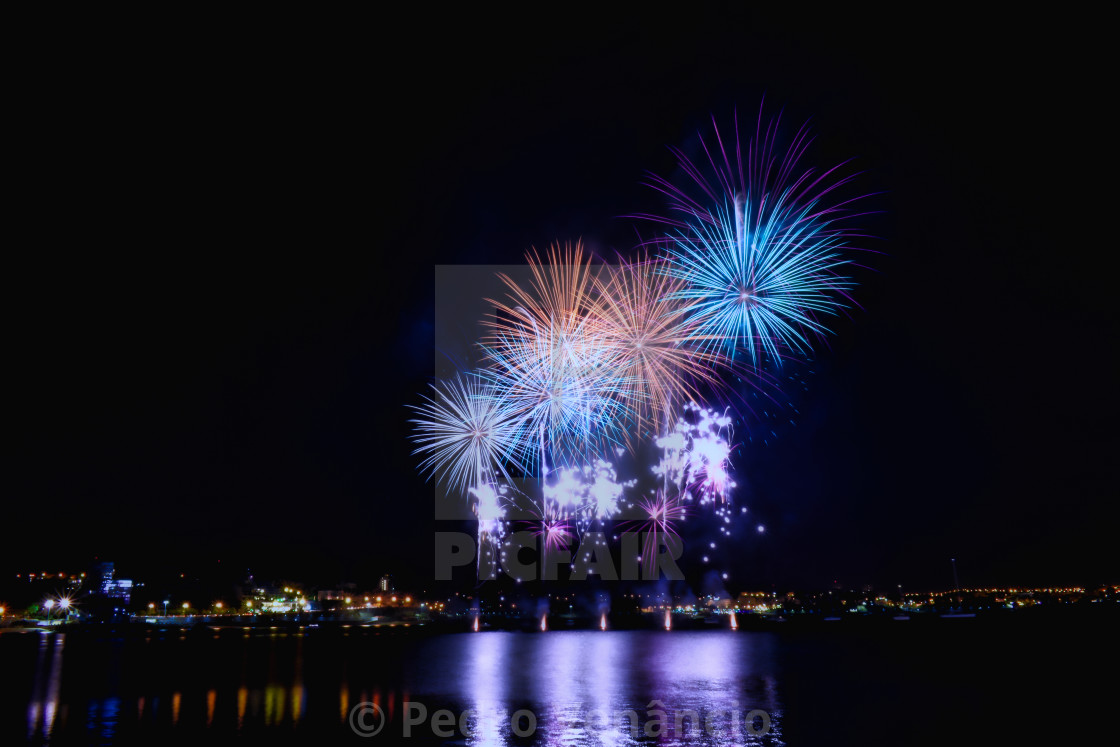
<point>661,513</point>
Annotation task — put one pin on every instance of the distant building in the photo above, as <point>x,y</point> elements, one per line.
<point>385,584</point>
<point>120,588</point>
<point>104,583</point>
<point>331,595</point>
<point>101,577</point>
<point>759,601</point>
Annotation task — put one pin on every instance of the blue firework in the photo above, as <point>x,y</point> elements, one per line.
<point>760,249</point>
<point>762,286</point>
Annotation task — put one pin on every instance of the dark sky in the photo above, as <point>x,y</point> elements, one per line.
<point>221,254</point>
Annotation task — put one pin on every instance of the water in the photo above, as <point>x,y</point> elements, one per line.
<point>960,681</point>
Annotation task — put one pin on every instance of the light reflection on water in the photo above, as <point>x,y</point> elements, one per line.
<point>43,708</point>
<point>583,687</point>
<point>582,684</point>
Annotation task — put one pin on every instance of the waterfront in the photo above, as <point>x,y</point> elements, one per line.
<point>962,680</point>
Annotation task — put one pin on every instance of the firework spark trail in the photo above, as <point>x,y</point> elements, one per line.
<point>695,455</point>
<point>591,492</point>
<point>584,495</point>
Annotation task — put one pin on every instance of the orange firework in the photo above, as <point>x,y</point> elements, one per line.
<point>549,362</point>
<point>652,341</point>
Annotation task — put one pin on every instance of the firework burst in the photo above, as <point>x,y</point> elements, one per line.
<point>554,530</point>
<point>582,362</point>
<point>760,253</point>
<point>659,515</point>
<point>551,365</point>
<point>466,433</point>
<point>652,341</point>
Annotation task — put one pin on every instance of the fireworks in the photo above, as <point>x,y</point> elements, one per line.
<point>761,257</point>
<point>662,512</point>
<point>695,454</point>
<point>466,433</point>
<point>587,493</point>
<point>555,532</point>
<point>652,340</point>
<point>552,366</point>
<point>585,364</point>
<point>761,287</point>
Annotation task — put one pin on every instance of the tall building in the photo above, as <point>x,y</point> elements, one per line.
<point>101,577</point>
<point>385,584</point>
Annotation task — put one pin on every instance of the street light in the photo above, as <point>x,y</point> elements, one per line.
<point>165,603</point>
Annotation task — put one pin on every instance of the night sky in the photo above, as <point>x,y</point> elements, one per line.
<point>220,266</point>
